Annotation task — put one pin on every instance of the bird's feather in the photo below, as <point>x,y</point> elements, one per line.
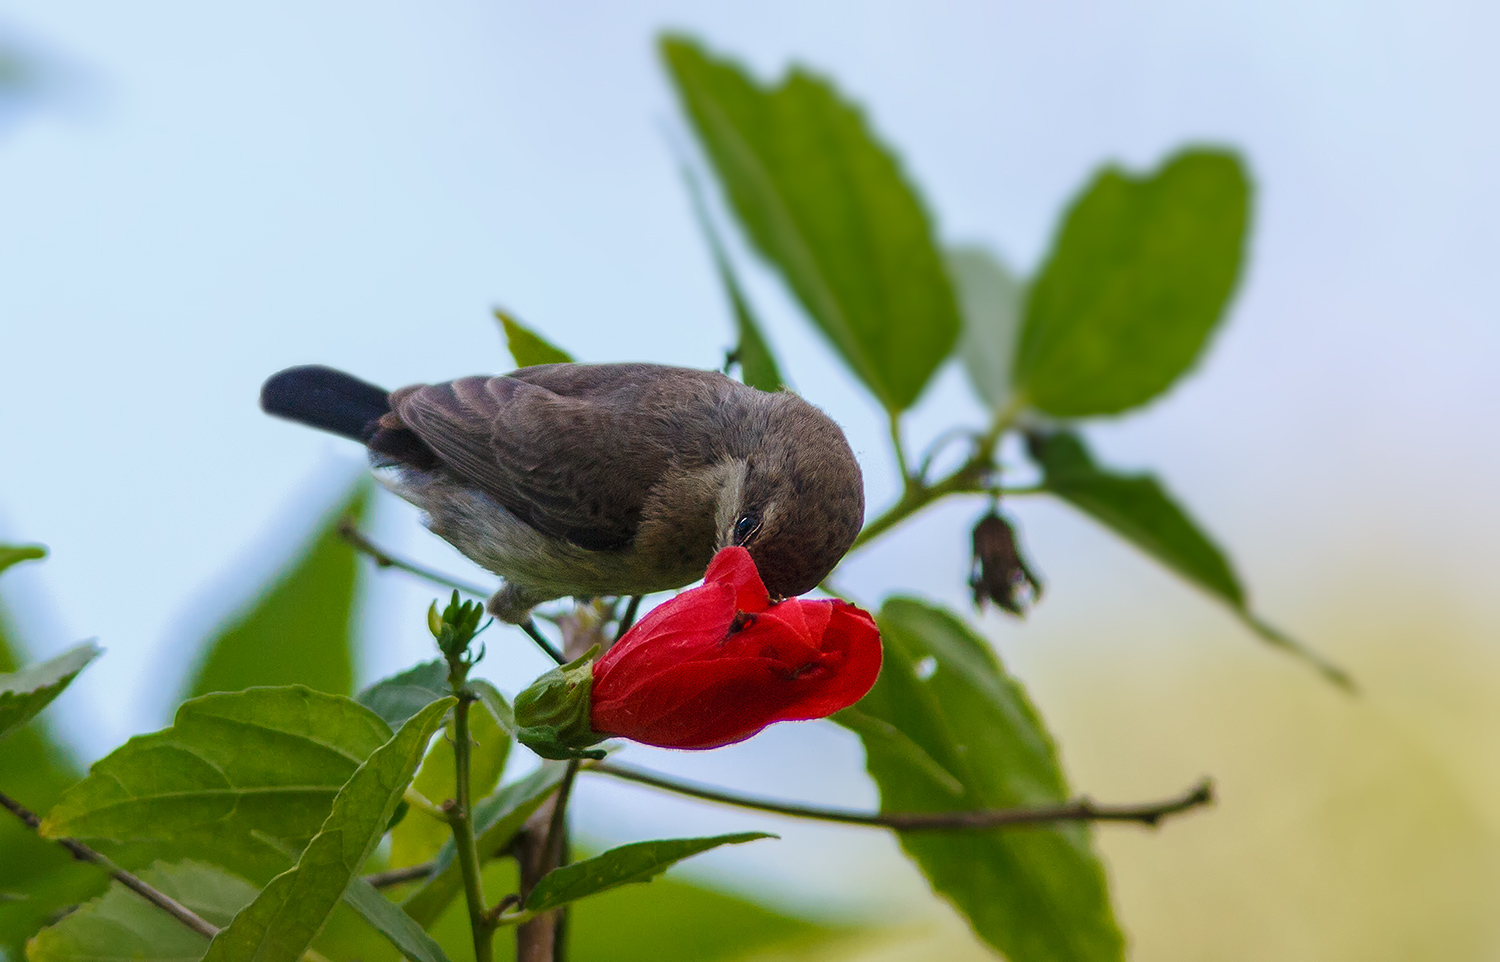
<point>575,449</point>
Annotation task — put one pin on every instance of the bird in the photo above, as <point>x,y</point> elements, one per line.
<point>590,480</point>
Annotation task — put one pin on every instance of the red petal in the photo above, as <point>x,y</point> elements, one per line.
<point>733,566</point>
<point>800,660</point>
<point>699,705</point>
<point>852,643</point>
<point>788,631</point>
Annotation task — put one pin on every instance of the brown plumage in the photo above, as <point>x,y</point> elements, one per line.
<point>577,479</point>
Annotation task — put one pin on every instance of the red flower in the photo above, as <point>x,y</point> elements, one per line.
<point>718,663</point>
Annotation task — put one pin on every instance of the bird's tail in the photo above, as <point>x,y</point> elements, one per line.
<point>324,398</point>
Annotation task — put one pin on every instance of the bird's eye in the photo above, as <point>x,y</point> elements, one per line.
<point>745,527</point>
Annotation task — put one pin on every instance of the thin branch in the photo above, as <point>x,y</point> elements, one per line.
<point>938,445</point>
<point>384,559</point>
<point>460,816</point>
<point>1079,810</point>
<point>83,853</point>
<point>397,876</point>
<point>557,830</point>
<point>535,634</point>
<point>541,846</point>
<point>899,450</point>
<point>423,804</point>
<point>628,619</point>
<point>967,478</point>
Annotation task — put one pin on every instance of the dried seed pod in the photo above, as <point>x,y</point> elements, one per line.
<point>999,572</point>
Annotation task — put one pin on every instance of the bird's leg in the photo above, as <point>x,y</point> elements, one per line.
<point>513,603</point>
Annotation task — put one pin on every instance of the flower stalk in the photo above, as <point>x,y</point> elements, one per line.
<point>460,818</point>
<point>971,477</point>
<point>454,629</point>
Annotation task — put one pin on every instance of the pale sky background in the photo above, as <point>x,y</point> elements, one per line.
<point>209,193</point>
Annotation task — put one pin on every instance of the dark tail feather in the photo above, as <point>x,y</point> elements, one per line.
<point>324,398</point>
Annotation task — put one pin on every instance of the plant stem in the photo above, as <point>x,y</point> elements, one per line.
<point>968,478</point>
<point>1079,810</point>
<point>83,853</point>
<point>535,634</point>
<point>899,450</point>
<point>459,815</point>
<point>384,559</point>
<point>557,830</point>
<point>542,844</point>
<point>423,804</point>
<point>628,619</point>
<point>557,855</point>
<point>396,876</point>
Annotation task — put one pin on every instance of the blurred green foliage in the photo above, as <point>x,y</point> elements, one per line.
<point>26,692</point>
<point>1137,279</point>
<point>299,629</point>
<point>527,346</point>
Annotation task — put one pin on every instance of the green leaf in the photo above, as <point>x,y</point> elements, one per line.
<point>122,925</point>
<point>1035,894</point>
<point>299,630</point>
<point>828,205</point>
<point>891,742</point>
<point>347,935</point>
<point>419,836</point>
<point>990,297</point>
<point>637,862</point>
<point>499,710</point>
<point>752,354</point>
<point>1137,508</point>
<point>28,691</point>
<point>527,346</point>
<point>37,768</point>
<point>401,696</point>
<point>1138,278</point>
<point>15,554</point>
<point>288,913</point>
<point>497,819</point>
<point>403,931</point>
<point>673,920</point>
<point>239,778</point>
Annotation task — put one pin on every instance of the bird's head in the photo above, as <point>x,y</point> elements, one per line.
<point>798,502</point>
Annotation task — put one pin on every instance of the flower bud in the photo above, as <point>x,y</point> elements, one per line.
<point>456,626</point>
<point>552,716</point>
<point>999,572</point>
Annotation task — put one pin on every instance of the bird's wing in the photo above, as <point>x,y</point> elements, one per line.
<point>571,449</point>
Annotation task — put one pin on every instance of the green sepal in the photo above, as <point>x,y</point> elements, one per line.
<point>552,716</point>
